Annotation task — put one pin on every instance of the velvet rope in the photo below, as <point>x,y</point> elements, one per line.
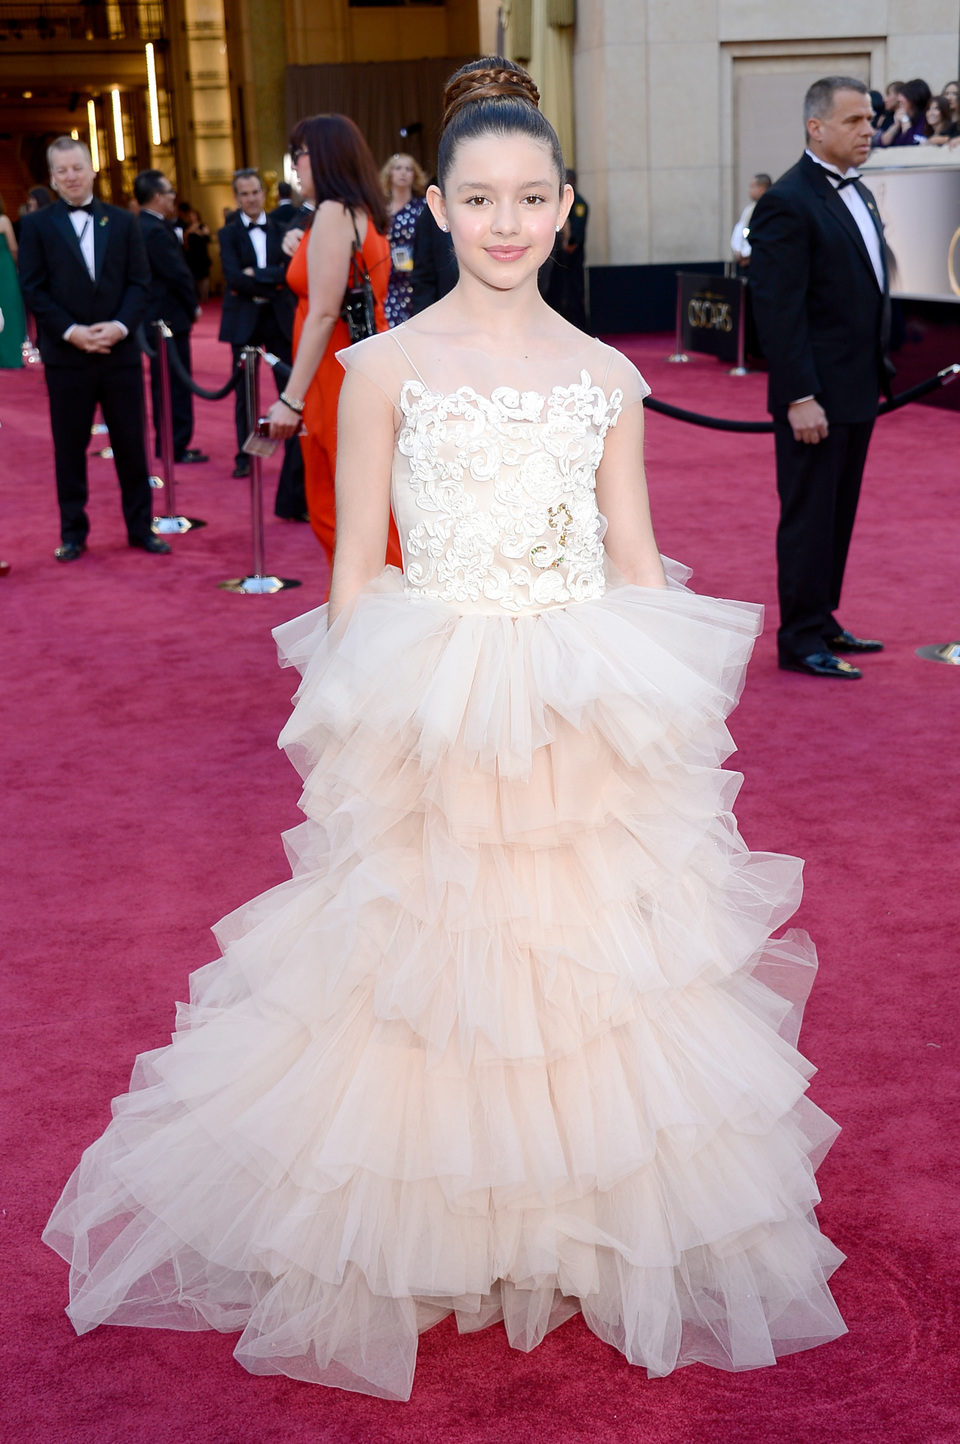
<point>183,375</point>
<point>721,423</point>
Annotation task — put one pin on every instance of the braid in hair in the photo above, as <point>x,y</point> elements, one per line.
<point>493,96</point>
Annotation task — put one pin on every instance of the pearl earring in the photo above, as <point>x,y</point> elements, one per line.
<point>558,228</point>
<point>443,226</point>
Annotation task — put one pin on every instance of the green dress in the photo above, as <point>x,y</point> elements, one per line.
<point>11,304</point>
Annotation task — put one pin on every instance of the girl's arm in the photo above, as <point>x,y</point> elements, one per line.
<point>365,441</point>
<point>622,498</point>
<point>328,266</point>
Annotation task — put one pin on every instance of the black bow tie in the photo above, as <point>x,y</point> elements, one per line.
<point>842,180</point>
<point>87,208</point>
<point>256,225</point>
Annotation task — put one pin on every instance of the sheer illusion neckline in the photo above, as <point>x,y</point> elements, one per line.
<point>514,402</point>
<point>580,375</point>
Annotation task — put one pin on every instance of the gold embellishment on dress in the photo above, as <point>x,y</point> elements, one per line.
<point>538,553</point>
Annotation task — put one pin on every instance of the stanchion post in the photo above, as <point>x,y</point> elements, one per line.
<point>679,354</point>
<point>948,652</point>
<point>172,523</point>
<point>251,387</point>
<point>258,583</point>
<point>166,415</point>
<point>741,367</point>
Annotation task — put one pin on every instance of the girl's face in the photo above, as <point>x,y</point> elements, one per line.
<point>503,204</point>
<point>933,113</point>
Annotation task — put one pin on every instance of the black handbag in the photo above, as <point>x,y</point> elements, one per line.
<point>358,303</point>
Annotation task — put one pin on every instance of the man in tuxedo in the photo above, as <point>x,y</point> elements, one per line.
<point>285,210</point>
<point>172,298</point>
<point>818,281</point>
<point>258,309</point>
<point>85,277</point>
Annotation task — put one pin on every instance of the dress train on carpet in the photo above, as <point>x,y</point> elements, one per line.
<point>513,1041</point>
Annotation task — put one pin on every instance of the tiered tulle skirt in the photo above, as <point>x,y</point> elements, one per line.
<point>514,1041</point>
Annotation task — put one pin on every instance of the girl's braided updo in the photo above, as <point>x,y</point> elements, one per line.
<point>493,96</point>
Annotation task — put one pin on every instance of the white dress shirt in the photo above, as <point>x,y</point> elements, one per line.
<point>258,238</point>
<point>738,239</point>
<point>857,207</point>
<point>83,225</point>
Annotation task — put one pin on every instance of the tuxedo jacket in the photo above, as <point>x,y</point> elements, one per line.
<point>59,291</point>
<point>284,214</point>
<point>173,291</point>
<point>244,295</point>
<point>822,319</point>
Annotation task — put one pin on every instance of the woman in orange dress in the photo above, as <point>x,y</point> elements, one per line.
<point>336,170</point>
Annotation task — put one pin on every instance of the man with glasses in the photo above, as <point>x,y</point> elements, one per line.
<point>85,278</point>
<point>173,298</point>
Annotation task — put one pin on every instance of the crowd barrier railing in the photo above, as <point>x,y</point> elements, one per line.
<point>259,582</point>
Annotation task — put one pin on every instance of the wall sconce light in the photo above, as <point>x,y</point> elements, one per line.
<point>118,125</point>
<point>94,139</point>
<point>153,98</point>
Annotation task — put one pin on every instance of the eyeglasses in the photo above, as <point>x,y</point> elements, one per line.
<point>296,154</point>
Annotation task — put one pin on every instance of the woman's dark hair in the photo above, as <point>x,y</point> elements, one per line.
<point>341,164</point>
<point>944,125</point>
<point>493,96</point>
<point>42,195</point>
<point>917,95</point>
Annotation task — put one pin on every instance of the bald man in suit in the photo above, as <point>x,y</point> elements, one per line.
<point>84,275</point>
<point>818,282</point>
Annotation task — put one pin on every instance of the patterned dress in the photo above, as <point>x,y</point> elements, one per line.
<point>400,289</point>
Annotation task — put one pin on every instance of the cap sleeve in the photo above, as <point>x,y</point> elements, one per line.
<point>622,375</point>
<point>379,360</point>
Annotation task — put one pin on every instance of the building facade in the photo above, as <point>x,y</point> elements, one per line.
<point>666,106</point>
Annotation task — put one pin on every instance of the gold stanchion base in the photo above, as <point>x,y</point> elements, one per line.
<point>678,357</point>
<point>174,525</point>
<point>156,483</point>
<point>948,652</point>
<point>258,586</point>
<point>738,371</point>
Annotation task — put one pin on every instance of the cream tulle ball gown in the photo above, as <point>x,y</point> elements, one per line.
<point>514,1040</point>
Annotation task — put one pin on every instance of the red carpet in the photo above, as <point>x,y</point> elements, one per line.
<point>144,798</point>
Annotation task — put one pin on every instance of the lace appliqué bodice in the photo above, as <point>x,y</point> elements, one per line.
<point>499,508</point>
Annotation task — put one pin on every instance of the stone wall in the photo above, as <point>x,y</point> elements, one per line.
<point>678,102</point>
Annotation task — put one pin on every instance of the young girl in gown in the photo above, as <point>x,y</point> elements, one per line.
<point>515,1039</point>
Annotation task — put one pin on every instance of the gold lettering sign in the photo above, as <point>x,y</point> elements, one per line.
<point>706,315</point>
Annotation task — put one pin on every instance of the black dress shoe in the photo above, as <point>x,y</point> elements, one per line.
<point>821,664</point>
<point>150,544</point>
<point>847,642</point>
<point>242,467</point>
<point>69,551</point>
<point>192,454</point>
